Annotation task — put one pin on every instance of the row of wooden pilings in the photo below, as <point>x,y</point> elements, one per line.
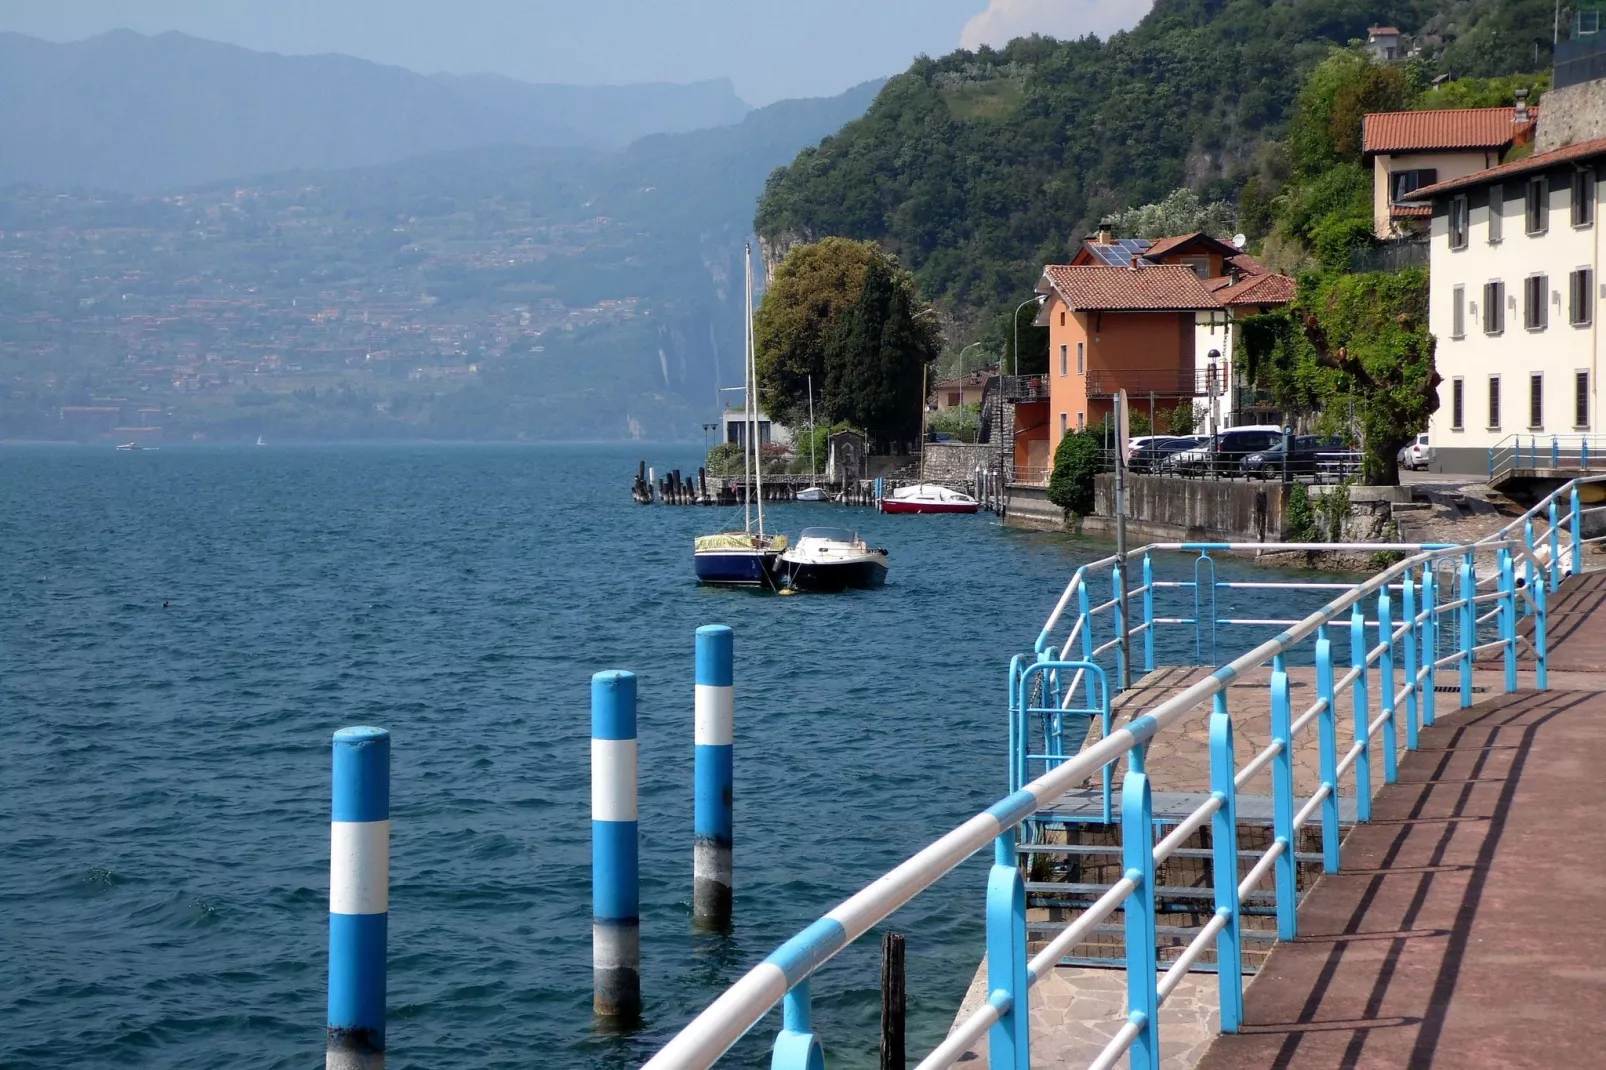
<point>675,488</point>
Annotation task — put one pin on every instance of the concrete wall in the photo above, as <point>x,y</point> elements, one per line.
<point>956,462</point>
<point>1572,114</point>
<point>1029,507</point>
<point>1165,507</point>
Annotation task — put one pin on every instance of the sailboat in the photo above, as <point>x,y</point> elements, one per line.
<point>746,558</point>
<point>813,492</point>
<point>260,442</point>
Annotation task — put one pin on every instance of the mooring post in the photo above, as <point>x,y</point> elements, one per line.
<point>615,895</point>
<point>892,1002</point>
<point>359,899</point>
<point>712,811</point>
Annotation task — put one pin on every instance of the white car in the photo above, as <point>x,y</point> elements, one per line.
<point>1417,455</point>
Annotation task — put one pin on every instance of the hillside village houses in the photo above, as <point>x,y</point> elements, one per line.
<point>1149,317</point>
<point>1515,298</point>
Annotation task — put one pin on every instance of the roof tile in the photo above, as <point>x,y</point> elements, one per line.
<point>1163,287</point>
<point>1441,130</point>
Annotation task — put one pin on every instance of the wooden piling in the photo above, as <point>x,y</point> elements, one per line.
<point>892,1002</point>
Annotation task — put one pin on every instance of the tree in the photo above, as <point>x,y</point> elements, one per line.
<point>1079,458</point>
<point>1182,212</point>
<point>1033,356</point>
<point>1354,349</point>
<point>844,313</point>
<point>1376,89</point>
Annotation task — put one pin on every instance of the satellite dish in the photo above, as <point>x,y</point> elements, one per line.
<point>1238,240</point>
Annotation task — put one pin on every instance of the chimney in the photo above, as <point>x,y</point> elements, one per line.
<point>1522,107</point>
<point>1134,264</point>
<point>1106,231</point>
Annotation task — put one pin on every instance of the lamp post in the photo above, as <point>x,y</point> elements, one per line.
<point>708,430</point>
<point>1014,362</point>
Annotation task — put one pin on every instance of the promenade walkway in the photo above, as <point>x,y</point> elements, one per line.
<point>1464,927</point>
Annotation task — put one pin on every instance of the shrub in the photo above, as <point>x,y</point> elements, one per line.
<point>1079,458</point>
<point>1301,520</point>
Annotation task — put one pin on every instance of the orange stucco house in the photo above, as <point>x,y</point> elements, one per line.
<point>1151,318</point>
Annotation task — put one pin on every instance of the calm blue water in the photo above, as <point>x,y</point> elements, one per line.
<point>164,770</point>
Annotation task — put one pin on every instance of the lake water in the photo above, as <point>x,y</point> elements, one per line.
<point>164,769</point>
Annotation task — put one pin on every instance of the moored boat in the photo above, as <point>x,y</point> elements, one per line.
<point>738,558</point>
<point>813,494</point>
<point>833,559</point>
<point>929,498</point>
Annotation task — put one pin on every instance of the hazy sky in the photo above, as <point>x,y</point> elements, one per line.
<point>771,50</point>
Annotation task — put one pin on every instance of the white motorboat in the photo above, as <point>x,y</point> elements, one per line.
<point>813,494</point>
<point>833,559</point>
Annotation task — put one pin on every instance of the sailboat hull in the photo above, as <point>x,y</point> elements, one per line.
<point>736,568</point>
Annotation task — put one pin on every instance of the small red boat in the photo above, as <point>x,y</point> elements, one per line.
<point>929,498</point>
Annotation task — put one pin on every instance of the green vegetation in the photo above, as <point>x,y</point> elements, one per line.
<point>1180,213</point>
<point>1079,458</point>
<point>975,190</point>
<point>1301,521</point>
<point>961,421</point>
<point>843,314</point>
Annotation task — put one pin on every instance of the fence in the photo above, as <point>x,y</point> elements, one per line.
<point>1534,452</point>
<point>1433,600</point>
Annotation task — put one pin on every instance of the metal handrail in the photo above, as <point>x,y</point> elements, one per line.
<point>779,976</point>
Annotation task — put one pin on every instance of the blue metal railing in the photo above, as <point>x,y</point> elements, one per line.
<point>1560,453</point>
<point>1430,611</point>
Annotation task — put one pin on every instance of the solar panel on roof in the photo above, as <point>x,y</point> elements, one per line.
<point>1120,252</point>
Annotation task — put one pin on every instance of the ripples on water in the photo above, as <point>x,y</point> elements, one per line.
<point>164,779</point>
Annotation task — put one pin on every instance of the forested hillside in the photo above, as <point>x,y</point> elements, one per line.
<point>975,168</point>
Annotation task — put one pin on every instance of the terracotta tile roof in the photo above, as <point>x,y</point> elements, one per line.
<point>1410,211</point>
<point>1248,265</point>
<point>1259,290</point>
<point>1162,287</point>
<point>1441,130</point>
<point>1162,246</point>
<point>1582,150</point>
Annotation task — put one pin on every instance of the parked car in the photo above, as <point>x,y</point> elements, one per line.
<point>1224,454</point>
<point>1156,448</point>
<point>1302,460</point>
<point>1417,455</point>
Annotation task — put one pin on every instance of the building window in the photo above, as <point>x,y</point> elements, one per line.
<point>1494,402</point>
<point>1583,198</point>
<point>1080,358</point>
<point>1458,222</point>
<point>1081,421</point>
<point>1405,183</point>
<point>1065,358</point>
<point>1536,402</point>
<point>1458,312</point>
<point>1581,293</point>
<point>1535,302</point>
<point>1497,207</point>
<point>1494,307</point>
<point>1062,318</point>
<point>1458,398</point>
<point>1538,205</point>
<point>1063,423</point>
<point>1581,401</point>
<point>955,399</point>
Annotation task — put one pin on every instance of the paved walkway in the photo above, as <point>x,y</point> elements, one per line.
<point>1461,931</point>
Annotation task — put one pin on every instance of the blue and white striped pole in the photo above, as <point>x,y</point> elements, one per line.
<point>359,899</point>
<point>615,890</point>
<point>712,813</point>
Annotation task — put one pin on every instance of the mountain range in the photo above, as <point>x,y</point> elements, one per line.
<point>129,112</point>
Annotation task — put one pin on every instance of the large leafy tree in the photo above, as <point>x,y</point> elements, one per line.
<point>845,314</point>
<point>1354,352</point>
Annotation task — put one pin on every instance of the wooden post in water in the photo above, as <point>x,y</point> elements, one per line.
<point>892,1002</point>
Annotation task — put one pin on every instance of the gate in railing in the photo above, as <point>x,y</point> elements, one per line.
<point>1435,610</point>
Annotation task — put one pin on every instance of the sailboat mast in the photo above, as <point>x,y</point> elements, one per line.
<point>752,371</point>
<point>747,407</point>
<point>811,432</point>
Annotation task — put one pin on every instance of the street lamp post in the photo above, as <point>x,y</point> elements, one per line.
<point>1014,364</point>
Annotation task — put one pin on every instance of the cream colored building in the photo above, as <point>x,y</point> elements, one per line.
<point>1515,304</point>
<point>1410,150</point>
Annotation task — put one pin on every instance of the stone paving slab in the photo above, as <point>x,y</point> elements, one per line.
<point>1077,1010</point>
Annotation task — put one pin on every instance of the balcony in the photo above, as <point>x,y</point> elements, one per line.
<point>1023,388</point>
